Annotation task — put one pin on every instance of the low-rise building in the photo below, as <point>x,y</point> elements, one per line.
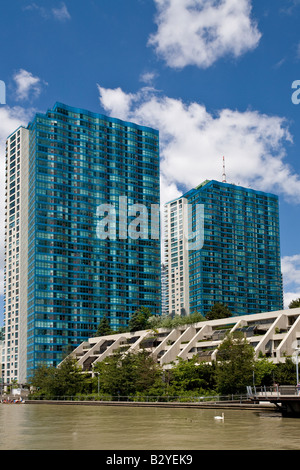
<point>275,335</point>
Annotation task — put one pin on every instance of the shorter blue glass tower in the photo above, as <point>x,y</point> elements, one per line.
<point>239,263</point>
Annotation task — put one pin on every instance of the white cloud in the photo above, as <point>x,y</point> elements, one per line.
<point>193,142</point>
<point>200,32</point>
<point>290,6</point>
<point>290,267</point>
<point>11,119</point>
<point>62,13</point>
<point>28,86</point>
<point>117,101</point>
<point>34,7</point>
<point>148,78</point>
<point>289,296</point>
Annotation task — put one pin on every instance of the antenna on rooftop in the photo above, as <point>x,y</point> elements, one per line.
<point>224,174</point>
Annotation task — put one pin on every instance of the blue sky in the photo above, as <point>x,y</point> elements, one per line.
<point>214,76</point>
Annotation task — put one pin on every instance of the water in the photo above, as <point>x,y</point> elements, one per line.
<point>73,427</point>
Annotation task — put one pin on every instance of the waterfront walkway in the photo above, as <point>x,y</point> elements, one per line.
<point>233,405</point>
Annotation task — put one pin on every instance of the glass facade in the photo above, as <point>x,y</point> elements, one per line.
<point>80,161</point>
<point>239,263</point>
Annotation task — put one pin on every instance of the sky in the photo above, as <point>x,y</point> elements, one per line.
<point>215,77</point>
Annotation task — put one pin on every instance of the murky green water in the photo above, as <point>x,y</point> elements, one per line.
<point>71,427</point>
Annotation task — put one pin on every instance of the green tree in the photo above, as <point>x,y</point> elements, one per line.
<point>190,376</point>
<point>194,317</point>
<point>129,374</point>
<point>70,378</point>
<point>65,380</point>
<point>295,303</point>
<point>218,311</point>
<point>167,321</point>
<point>104,327</point>
<point>139,319</point>
<point>154,322</point>
<point>285,372</point>
<point>148,374</point>
<point>43,381</point>
<point>264,372</point>
<point>235,363</point>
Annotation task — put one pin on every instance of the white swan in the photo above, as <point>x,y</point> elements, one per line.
<point>220,417</point>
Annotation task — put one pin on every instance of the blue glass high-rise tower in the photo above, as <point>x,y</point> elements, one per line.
<point>72,163</point>
<point>238,263</point>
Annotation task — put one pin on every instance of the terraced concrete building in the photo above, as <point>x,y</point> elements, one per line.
<point>273,334</point>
